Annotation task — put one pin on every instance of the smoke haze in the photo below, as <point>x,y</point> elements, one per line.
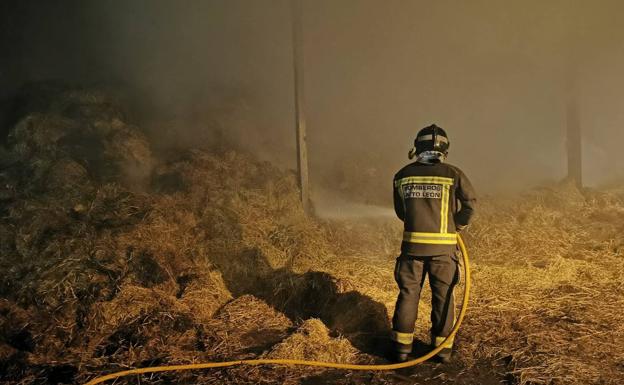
<point>496,75</point>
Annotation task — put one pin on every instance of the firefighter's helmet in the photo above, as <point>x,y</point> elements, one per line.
<point>431,140</point>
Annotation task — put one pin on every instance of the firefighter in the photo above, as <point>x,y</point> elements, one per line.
<point>435,201</point>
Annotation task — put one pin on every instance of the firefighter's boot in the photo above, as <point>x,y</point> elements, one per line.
<point>445,354</point>
<point>401,352</point>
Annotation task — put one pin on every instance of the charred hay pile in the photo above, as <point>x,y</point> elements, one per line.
<point>114,257</point>
<point>111,259</point>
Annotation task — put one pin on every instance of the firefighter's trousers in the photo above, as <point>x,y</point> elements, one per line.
<point>409,274</point>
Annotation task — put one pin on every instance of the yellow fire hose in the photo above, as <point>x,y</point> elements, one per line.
<point>333,365</point>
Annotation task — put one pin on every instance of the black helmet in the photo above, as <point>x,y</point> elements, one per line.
<point>431,138</point>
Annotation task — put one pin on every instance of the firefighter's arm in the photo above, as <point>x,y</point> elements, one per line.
<point>467,198</point>
<point>399,208</point>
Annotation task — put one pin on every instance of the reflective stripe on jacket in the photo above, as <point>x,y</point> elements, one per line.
<point>432,200</point>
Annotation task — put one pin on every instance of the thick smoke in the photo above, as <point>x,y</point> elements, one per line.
<point>494,74</point>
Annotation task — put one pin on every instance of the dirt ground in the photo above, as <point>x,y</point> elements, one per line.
<point>116,256</point>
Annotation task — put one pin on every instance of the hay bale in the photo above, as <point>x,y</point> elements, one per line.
<point>87,127</point>
<point>39,226</point>
<point>132,303</point>
<point>204,295</point>
<point>127,149</point>
<point>138,324</point>
<point>37,136</point>
<point>68,179</point>
<point>312,342</point>
<point>244,327</point>
<point>113,206</point>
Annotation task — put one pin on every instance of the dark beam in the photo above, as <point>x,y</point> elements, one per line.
<point>574,141</point>
<point>298,61</point>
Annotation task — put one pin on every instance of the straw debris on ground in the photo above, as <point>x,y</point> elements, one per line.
<point>312,342</point>
<point>115,257</point>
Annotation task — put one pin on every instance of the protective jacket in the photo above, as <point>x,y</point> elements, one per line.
<point>433,200</point>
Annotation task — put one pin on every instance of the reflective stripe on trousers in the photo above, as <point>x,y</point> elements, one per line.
<point>437,341</point>
<point>402,338</point>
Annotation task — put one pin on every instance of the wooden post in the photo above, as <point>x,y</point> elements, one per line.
<point>302,152</point>
<point>574,141</point>
<point>571,64</point>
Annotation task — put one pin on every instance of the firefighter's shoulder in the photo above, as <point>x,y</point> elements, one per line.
<point>454,169</point>
<point>405,170</point>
